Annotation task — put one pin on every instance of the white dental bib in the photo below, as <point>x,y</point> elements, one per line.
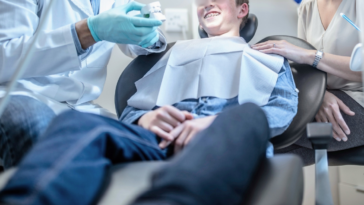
<point>222,67</point>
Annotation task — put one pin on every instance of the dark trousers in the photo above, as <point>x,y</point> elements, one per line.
<point>24,120</point>
<point>303,146</point>
<point>69,164</point>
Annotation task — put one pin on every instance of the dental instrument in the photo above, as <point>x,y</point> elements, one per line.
<point>153,11</point>
<point>348,20</point>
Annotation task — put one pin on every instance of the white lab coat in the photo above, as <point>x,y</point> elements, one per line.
<point>55,75</point>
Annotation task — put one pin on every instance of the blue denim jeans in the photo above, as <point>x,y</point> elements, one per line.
<point>21,124</point>
<point>70,163</point>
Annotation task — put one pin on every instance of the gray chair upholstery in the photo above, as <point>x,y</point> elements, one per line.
<point>278,181</point>
<point>311,84</point>
<point>272,184</point>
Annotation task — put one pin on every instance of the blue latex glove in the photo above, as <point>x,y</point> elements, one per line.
<point>116,26</point>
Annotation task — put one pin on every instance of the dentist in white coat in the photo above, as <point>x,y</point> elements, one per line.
<point>67,69</point>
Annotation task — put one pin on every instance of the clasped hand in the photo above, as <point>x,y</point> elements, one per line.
<point>173,125</point>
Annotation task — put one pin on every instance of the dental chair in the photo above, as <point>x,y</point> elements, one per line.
<point>277,181</point>
<point>353,156</point>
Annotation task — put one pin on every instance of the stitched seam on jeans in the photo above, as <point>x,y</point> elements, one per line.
<point>54,170</point>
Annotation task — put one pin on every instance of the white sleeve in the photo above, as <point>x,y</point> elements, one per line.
<point>54,51</point>
<point>134,51</point>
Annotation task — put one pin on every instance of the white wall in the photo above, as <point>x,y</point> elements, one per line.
<point>275,17</point>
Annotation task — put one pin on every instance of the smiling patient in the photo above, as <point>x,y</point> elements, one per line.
<point>177,116</point>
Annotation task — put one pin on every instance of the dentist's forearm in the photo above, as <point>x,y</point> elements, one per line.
<point>84,34</point>
<point>335,65</point>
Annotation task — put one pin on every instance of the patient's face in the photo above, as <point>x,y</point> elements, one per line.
<point>221,17</point>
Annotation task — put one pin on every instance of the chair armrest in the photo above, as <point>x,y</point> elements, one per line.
<point>278,181</point>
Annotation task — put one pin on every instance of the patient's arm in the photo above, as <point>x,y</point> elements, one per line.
<point>282,105</point>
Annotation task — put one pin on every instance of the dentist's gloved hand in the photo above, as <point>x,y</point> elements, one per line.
<point>116,26</point>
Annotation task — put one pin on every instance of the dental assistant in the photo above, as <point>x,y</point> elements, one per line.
<point>67,69</point>
<point>320,24</point>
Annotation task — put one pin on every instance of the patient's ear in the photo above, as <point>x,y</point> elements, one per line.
<point>243,10</point>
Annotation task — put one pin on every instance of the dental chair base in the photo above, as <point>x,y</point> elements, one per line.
<point>278,181</point>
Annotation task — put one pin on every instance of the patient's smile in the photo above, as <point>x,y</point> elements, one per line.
<point>211,14</point>
<point>222,17</point>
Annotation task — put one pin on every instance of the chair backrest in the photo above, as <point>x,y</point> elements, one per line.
<point>247,32</point>
<point>311,84</point>
<point>125,87</point>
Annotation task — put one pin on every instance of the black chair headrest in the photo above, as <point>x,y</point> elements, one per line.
<point>293,40</point>
<point>247,32</point>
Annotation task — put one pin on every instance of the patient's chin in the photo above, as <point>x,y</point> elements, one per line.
<point>213,31</point>
<point>213,35</point>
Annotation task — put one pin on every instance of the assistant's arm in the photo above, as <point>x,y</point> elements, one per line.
<point>330,63</point>
<point>282,105</point>
<point>54,50</point>
<point>333,64</point>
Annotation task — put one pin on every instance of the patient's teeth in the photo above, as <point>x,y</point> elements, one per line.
<point>212,15</point>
